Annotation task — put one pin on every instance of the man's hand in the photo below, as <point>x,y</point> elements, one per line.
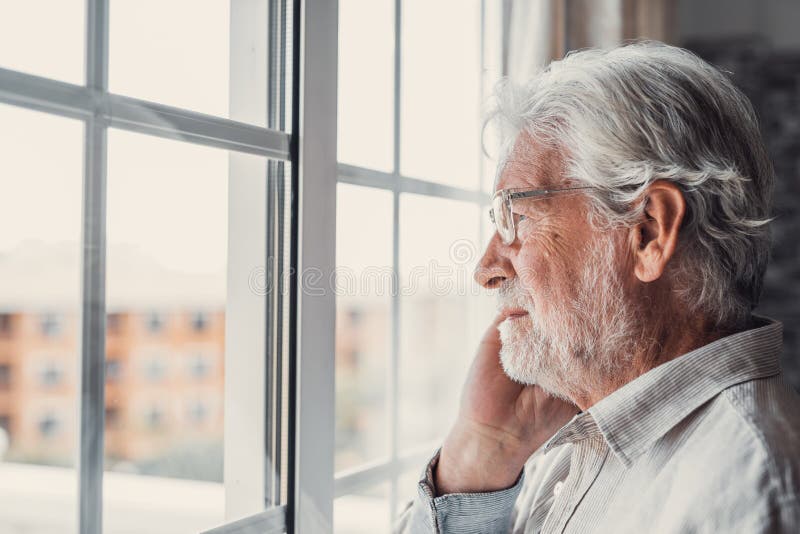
<point>500,425</point>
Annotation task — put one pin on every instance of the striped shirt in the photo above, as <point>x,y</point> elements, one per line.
<point>708,442</point>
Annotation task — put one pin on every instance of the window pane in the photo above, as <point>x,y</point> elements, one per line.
<point>45,38</point>
<point>40,213</point>
<point>407,485</point>
<point>363,323</point>
<point>174,52</point>
<point>365,512</point>
<point>366,82</point>
<point>183,53</point>
<point>441,88</point>
<point>442,312</point>
<point>166,294</point>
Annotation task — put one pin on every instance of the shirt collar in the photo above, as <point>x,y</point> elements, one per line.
<point>643,410</point>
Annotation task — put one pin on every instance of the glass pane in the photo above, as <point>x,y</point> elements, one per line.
<point>45,38</point>
<point>166,292</point>
<point>366,512</point>
<point>442,312</point>
<point>174,52</point>
<point>366,45</point>
<point>40,213</point>
<point>183,53</point>
<point>363,323</point>
<point>407,486</point>
<point>441,91</point>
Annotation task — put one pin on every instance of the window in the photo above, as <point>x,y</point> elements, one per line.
<point>410,197</point>
<point>50,46</point>
<point>49,425</point>
<point>148,152</point>
<point>199,365</point>
<point>154,417</point>
<point>5,376</point>
<point>5,441</point>
<point>154,322</point>
<point>112,417</point>
<point>199,321</point>
<point>5,423</point>
<point>197,412</point>
<point>114,323</point>
<point>155,369</point>
<point>113,370</point>
<point>50,324</point>
<point>5,324</point>
<point>40,261</point>
<point>51,374</point>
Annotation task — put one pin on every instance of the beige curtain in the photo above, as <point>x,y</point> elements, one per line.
<point>538,31</point>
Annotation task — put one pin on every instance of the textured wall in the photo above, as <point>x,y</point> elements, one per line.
<point>771,79</point>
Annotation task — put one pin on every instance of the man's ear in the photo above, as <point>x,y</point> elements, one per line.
<point>655,238</point>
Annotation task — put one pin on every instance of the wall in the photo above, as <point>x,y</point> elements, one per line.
<point>758,42</point>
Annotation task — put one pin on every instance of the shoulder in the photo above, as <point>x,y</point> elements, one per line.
<point>742,453</point>
<point>768,412</point>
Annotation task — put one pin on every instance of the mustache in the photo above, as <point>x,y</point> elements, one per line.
<point>511,295</point>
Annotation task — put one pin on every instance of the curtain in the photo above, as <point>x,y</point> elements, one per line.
<point>538,31</point>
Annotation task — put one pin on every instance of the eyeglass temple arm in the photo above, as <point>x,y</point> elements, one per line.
<point>541,192</point>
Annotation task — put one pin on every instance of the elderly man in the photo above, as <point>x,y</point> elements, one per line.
<point>625,385</point>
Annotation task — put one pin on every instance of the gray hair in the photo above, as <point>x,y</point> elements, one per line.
<point>625,117</point>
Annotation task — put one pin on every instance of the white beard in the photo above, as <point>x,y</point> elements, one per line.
<point>581,341</point>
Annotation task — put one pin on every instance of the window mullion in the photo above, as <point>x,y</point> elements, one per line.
<point>350,174</point>
<point>394,367</point>
<point>93,269</point>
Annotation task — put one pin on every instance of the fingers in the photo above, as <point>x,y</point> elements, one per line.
<point>491,339</point>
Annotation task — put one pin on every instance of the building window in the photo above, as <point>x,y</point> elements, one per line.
<point>113,370</point>
<point>199,366</point>
<point>51,374</point>
<point>49,425</point>
<point>355,315</point>
<point>197,412</point>
<point>50,324</point>
<point>154,417</point>
<point>5,376</point>
<point>112,416</point>
<point>6,320</point>
<point>154,322</point>
<point>113,323</point>
<point>199,321</point>
<point>155,369</point>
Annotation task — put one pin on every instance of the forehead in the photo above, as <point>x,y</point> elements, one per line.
<point>529,165</point>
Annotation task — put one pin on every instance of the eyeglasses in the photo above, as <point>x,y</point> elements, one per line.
<point>502,215</point>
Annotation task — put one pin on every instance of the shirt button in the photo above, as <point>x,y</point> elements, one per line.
<point>557,488</point>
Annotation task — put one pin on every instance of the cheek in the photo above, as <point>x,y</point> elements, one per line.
<point>546,266</point>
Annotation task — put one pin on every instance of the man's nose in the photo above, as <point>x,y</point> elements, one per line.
<point>494,267</point>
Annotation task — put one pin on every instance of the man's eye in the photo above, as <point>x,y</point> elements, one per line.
<point>521,217</point>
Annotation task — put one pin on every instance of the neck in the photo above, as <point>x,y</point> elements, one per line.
<point>666,339</point>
